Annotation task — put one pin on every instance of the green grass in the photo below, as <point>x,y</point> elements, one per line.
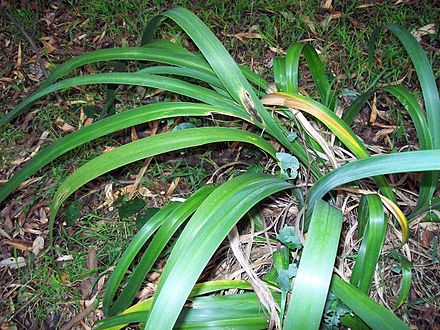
<point>52,288</point>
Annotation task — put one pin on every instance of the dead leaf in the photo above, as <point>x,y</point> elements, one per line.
<point>172,187</point>
<point>13,263</point>
<point>423,31</point>
<point>133,135</point>
<point>64,278</point>
<point>19,57</point>
<point>38,245</point>
<point>383,133</point>
<point>87,283</point>
<point>48,43</point>
<point>247,35</point>
<point>426,241</point>
<point>373,114</point>
<point>278,50</point>
<point>67,257</point>
<point>18,244</point>
<point>367,5</point>
<point>32,228</point>
<point>326,4</point>
<point>65,127</point>
<point>108,149</point>
<point>82,36</point>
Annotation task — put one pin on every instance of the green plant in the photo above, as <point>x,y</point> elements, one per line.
<point>225,89</point>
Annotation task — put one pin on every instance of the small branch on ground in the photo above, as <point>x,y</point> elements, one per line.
<point>80,316</point>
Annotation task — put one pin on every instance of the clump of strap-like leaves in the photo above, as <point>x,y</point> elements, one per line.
<point>220,87</point>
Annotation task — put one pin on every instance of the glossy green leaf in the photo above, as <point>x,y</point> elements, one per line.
<point>333,122</point>
<point>185,72</point>
<point>162,51</point>
<point>424,73</point>
<point>408,100</point>
<point>232,78</point>
<point>168,227</point>
<point>317,70</point>
<point>406,270</point>
<point>279,72</point>
<point>289,238</point>
<point>199,289</point>
<point>109,125</point>
<point>205,231</point>
<point>315,269</point>
<point>373,314</point>
<point>145,148</point>
<point>129,254</point>
<point>372,213</point>
<point>430,96</point>
<point>138,79</point>
<point>412,161</point>
<point>238,311</point>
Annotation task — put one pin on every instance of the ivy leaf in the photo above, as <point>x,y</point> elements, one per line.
<point>72,214</point>
<point>285,276</point>
<point>288,164</point>
<point>292,136</point>
<point>255,168</point>
<point>184,126</point>
<point>289,238</point>
<point>131,207</point>
<point>333,311</point>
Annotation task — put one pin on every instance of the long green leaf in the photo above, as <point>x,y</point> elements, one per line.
<point>315,269</point>
<point>375,315</point>
<point>185,72</point>
<point>173,221</point>
<point>372,212</point>
<point>406,269</point>
<point>130,253</point>
<point>424,73</point>
<point>138,79</point>
<point>317,70</point>
<point>201,237</point>
<point>155,52</point>
<point>238,311</point>
<point>229,73</point>
<point>149,147</point>
<point>408,100</point>
<point>430,96</point>
<point>279,73</point>
<point>412,161</point>
<point>109,125</point>
<point>198,290</point>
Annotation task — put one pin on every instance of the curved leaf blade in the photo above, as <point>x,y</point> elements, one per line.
<point>424,73</point>
<point>145,148</point>
<point>375,315</point>
<point>333,122</point>
<point>130,253</point>
<point>372,213</point>
<point>317,70</point>
<point>109,125</point>
<point>138,79</point>
<point>408,100</point>
<point>203,234</point>
<point>163,235</point>
<point>412,161</point>
<point>315,269</point>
